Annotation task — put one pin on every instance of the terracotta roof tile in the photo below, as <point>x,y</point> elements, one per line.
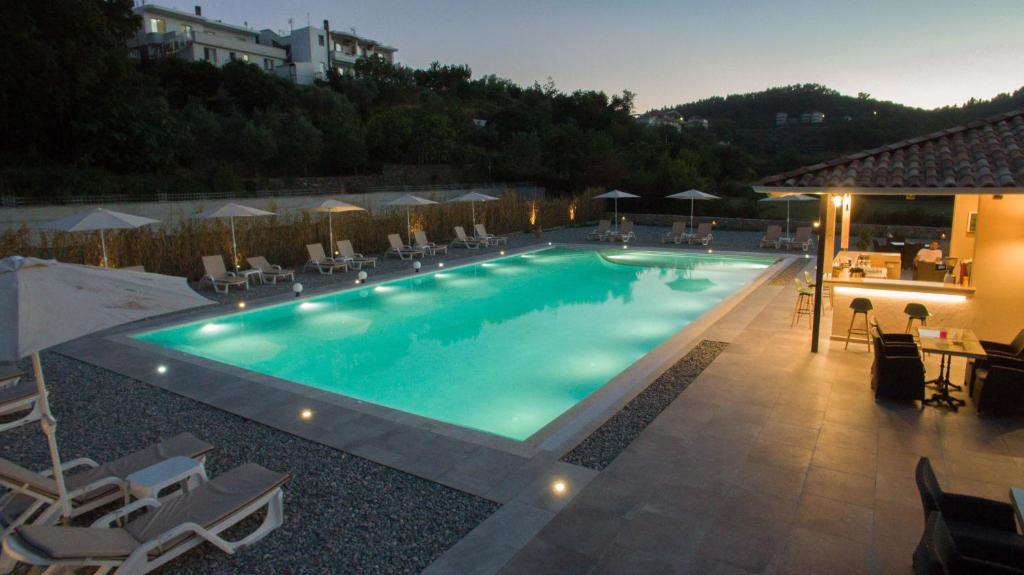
<point>986,154</point>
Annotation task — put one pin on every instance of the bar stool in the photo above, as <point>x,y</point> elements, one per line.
<point>916,311</point>
<point>804,303</point>
<point>826,290</point>
<point>860,306</point>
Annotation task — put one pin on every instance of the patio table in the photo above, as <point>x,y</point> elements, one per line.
<point>948,343</point>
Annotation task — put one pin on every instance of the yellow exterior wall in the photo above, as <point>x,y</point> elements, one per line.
<point>999,267</point>
<point>961,243</point>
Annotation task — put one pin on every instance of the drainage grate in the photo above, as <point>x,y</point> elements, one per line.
<point>606,442</point>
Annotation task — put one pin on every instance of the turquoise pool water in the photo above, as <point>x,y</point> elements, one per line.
<point>504,346</point>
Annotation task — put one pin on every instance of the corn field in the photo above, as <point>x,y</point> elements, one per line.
<point>177,248</point>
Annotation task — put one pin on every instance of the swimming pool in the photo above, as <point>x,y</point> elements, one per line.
<point>504,346</point>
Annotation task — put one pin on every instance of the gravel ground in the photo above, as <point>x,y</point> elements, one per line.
<point>343,514</point>
<point>603,445</point>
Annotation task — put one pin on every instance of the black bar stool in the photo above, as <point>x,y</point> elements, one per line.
<point>860,306</point>
<point>916,311</point>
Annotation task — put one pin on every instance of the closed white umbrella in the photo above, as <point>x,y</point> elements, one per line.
<point>45,303</point>
<point>615,195</point>
<point>693,195</point>
<point>98,219</point>
<point>789,198</point>
<point>473,198</point>
<point>331,207</point>
<point>409,201</point>
<point>232,211</point>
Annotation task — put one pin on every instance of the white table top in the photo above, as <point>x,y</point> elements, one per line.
<point>158,473</point>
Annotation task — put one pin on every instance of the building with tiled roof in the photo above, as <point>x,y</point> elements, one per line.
<point>978,156</point>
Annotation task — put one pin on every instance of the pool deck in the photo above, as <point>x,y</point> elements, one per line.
<point>774,460</point>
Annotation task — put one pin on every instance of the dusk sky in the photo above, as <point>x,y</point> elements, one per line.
<point>920,53</point>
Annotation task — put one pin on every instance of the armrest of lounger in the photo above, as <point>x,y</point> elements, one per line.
<point>98,485</point>
<point>80,462</point>
<point>185,529</point>
<point>115,516</point>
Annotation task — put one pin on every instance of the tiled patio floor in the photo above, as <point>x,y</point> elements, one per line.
<point>775,460</point>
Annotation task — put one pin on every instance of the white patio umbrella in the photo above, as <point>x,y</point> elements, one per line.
<point>615,195</point>
<point>693,195</point>
<point>789,198</point>
<point>332,207</point>
<point>47,302</point>
<point>98,219</point>
<point>473,198</point>
<point>409,201</point>
<point>232,211</point>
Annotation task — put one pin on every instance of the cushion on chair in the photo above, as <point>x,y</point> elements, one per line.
<point>77,542</point>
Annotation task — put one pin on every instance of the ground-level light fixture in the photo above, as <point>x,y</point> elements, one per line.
<point>241,305</point>
<point>161,369</point>
<point>306,414</point>
<point>297,288</point>
<point>559,487</point>
<point>440,265</point>
<point>625,247</point>
<point>549,243</point>
<point>416,266</point>
<point>501,253</point>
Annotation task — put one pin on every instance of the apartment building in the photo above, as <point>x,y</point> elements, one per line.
<point>189,35</point>
<point>303,56</point>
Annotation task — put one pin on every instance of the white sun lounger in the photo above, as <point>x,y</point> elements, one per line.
<point>318,259</point>
<point>17,397</point>
<point>161,531</point>
<point>772,236</point>
<point>488,239</point>
<point>463,239</point>
<point>802,240</point>
<point>426,246</point>
<point>270,272</point>
<point>353,257</point>
<point>33,496</point>
<point>676,234</point>
<point>218,275</point>
<point>624,233</point>
<point>601,231</point>
<point>401,250</point>
<point>703,235</point>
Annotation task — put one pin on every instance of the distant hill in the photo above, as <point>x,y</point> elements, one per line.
<point>851,123</point>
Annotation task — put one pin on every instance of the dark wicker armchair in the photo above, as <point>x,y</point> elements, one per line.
<point>998,388</point>
<point>897,372</point>
<point>939,553</point>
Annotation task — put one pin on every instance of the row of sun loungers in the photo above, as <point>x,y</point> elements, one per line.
<point>677,235</point>
<point>146,533</point>
<point>774,239</point>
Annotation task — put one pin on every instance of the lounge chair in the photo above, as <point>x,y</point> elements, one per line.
<point>219,276</point>
<point>462,238</point>
<point>623,234</point>
<point>676,234</point>
<point>488,239</point>
<point>163,530</point>
<point>601,231</point>
<point>427,247</point>
<point>16,397</point>
<point>33,496</point>
<point>703,235</point>
<point>354,258</point>
<point>802,240</point>
<point>318,259</point>
<point>270,272</point>
<point>403,251</point>
<point>771,238</point>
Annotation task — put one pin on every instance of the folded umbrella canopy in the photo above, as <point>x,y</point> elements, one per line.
<point>615,195</point>
<point>98,219</point>
<point>45,303</point>
<point>409,201</point>
<point>232,211</point>
<point>693,195</point>
<point>473,198</point>
<point>332,207</point>
<point>789,198</point>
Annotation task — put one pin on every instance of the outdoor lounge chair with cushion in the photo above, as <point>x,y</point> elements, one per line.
<point>318,259</point>
<point>489,239</point>
<point>601,231</point>
<point>623,234</point>
<point>161,531</point>
<point>403,251</point>
<point>801,241</point>
<point>995,350</point>
<point>463,239</point>
<point>771,237</point>
<point>676,234</point>
<point>998,388</point>
<point>703,235</point>
<point>218,275</point>
<point>270,272</point>
<point>354,258</point>
<point>428,247</point>
<point>33,496</point>
<point>975,523</point>
<point>939,553</point>
<point>19,400</point>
